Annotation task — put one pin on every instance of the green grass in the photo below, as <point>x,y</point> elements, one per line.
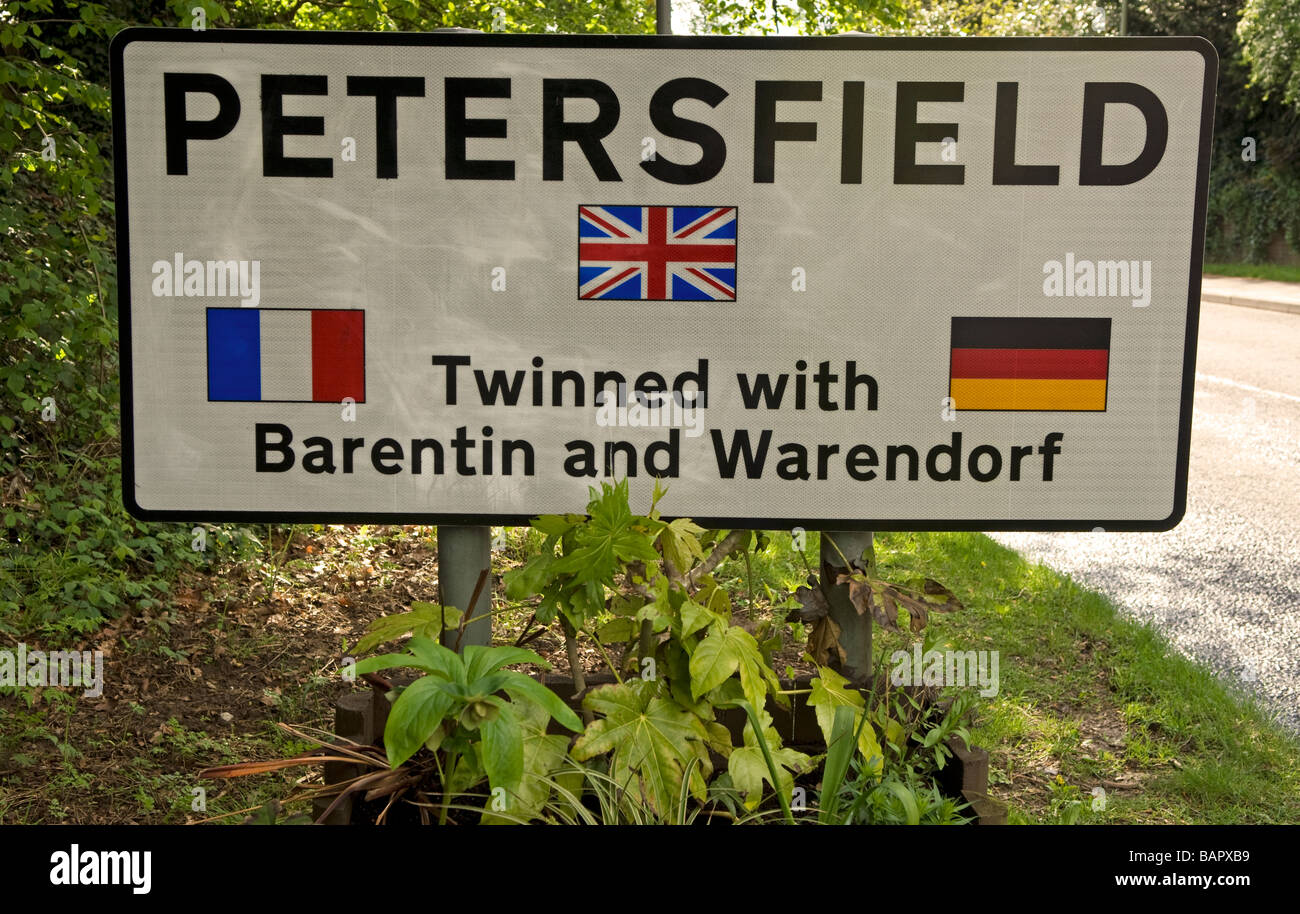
<point>1255,271</point>
<point>1087,697</point>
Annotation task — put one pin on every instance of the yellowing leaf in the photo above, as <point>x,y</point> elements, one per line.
<point>829,691</point>
<point>653,740</point>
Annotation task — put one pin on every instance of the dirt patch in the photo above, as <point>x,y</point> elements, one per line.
<point>203,679</point>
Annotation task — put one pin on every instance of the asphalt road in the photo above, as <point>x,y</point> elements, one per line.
<point>1224,585</point>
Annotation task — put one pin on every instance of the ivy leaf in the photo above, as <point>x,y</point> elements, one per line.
<point>653,740</point>
<point>727,650</point>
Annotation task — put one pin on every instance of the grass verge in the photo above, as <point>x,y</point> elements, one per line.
<point>1090,699</point>
<point>1255,271</point>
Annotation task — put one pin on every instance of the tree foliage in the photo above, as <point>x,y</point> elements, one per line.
<point>1269,32</point>
<point>72,554</point>
<point>560,16</point>
<point>923,18</point>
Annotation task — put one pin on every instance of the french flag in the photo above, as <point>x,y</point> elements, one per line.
<point>286,355</point>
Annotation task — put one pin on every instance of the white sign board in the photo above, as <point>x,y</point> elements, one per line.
<point>838,282</point>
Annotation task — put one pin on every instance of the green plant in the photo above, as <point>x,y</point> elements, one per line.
<point>427,620</point>
<point>894,745</point>
<point>1066,806</point>
<point>586,794</point>
<point>839,755</point>
<point>593,551</point>
<point>899,798</point>
<point>831,692</point>
<point>456,712</point>
<point>1249,206</point>
<point>642,581</point>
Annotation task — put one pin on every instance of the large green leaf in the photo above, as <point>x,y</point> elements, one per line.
<point>467,773</point>
<point>480,660</point>
<point>437,657</point>
<point>426,619</point>
<point>519,685</point>
<point>786,760</point>
<point>714,597</point>
<point>652,739</point>
<point>390,661</point>
<point>620,628</point>
<point>418,711</point>
<point>694,617</point>
<point>727,650</point>
<point>762,759</point>
<point>544,756</point>
<point>829,691</point>
<point>501,748</point>
<point>681,544</point>
<point>756,677</point>
<point>716,658</point>
<point>749,771</point>
<point>557,525</point>
<point>610,538</point>
<point>522,583</point>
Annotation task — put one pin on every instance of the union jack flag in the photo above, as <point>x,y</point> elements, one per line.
<point>657,253</point>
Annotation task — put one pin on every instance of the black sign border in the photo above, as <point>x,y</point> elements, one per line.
<point>619,42</point>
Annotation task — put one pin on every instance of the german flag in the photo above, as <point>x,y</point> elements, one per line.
<point>1029,363</point>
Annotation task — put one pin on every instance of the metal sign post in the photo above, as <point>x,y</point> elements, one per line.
<point>855,630</point>
<point>463,554</point>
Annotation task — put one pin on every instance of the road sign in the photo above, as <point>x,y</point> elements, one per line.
<point>841,282</point>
